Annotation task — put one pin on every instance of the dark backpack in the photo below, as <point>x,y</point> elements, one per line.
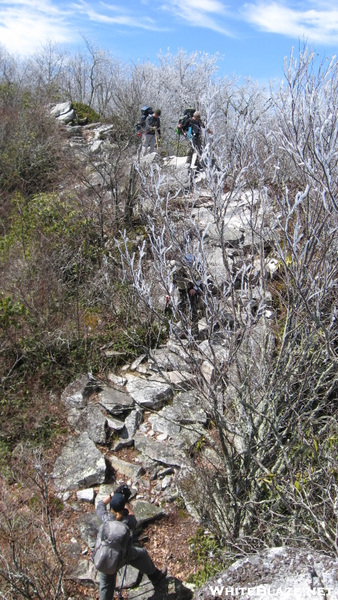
<point>111,546</point>
<point>145,112</point>
<point>184,121</point>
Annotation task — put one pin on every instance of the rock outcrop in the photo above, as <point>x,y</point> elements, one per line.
<point>80,465</point>
<point>277,573</point>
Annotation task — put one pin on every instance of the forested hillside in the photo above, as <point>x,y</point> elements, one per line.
<point>89,239</point>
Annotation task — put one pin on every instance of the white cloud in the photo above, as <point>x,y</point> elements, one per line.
<point>318,24</point>
<point>124,18</point>
<point>25,24</point>
<point>200,13</point>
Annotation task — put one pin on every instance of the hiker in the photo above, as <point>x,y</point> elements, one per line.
<point>192,128</point>
<point>187,280</point>
<point>114,548</point>
<point>140,127</point>
<point>152,132</point>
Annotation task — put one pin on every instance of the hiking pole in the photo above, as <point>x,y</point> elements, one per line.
<point>124,573</point>
<point>156,139</point>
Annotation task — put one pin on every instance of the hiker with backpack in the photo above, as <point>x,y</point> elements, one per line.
<point>191,126</point>
<point>114,548</point>
<point>152,132</point>
<point>140,128</point>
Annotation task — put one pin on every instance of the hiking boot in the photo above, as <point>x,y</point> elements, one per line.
<point>156,577</point>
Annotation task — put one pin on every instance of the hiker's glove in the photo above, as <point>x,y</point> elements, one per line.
<point>124,489</point>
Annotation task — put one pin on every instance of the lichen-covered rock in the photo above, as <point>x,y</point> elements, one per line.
<point>132,423</point>
<point>115,424</point>
<point>80,465</point>
<point>77,393</point>
<point>149,393</point>
<point>188,408</point>
<point>160,452</point>
<point>114,401</point>
<point>125,468</point>
<point>277,573</point>
<point>91,420</point>
<point>146,512</point>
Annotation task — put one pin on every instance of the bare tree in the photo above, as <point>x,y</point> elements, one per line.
<point>30,562</point>
<point>267,371</point>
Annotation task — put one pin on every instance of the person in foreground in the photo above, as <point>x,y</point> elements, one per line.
<point>114,548</point>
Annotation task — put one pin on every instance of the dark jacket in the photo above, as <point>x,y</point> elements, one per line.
<point>196,127</point>
<point>153,124</point>
<point>104,515</point>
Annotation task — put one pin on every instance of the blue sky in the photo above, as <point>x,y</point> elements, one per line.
<point>253,37</point>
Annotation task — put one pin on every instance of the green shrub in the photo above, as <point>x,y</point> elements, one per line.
<point>84,111</point>
<point>31,155</point>
<point>208,555</point>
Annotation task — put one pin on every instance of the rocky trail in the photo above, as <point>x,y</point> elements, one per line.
<point>147,425</point>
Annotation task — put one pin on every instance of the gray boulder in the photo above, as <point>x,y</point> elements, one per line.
<point>116,379</point>
<point>164,422</point>
<point>146,512</point>
<point>80,465</point>
<point>91,420</point>
<point>164,360</point>
<point>96,146</point>
<point>185,410</point>
<point>61,109</point>
<point>277,573</point>
<point>178,380</point>
<point>115,424</point>
<point>74,132</point>
<point>131,578</point>
<point>114,401</point>
<point>77,393</point>
<point>137,362</point>
<point>166,454</point>
<point>87,495</point>
<point>132,423</point>
<point>188,408</point>
<point>68,117</point>
<point>214,353</point>
<point>149,393</point>
<point>88,525</point>
<point>174,162</point>
<point>125,468</point>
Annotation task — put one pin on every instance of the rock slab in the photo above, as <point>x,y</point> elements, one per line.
<point>149,394</point>
<point>277,573</point>
<point>80,465</point>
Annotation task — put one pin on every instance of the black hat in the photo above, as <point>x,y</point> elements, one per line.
<point>118,502</point>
